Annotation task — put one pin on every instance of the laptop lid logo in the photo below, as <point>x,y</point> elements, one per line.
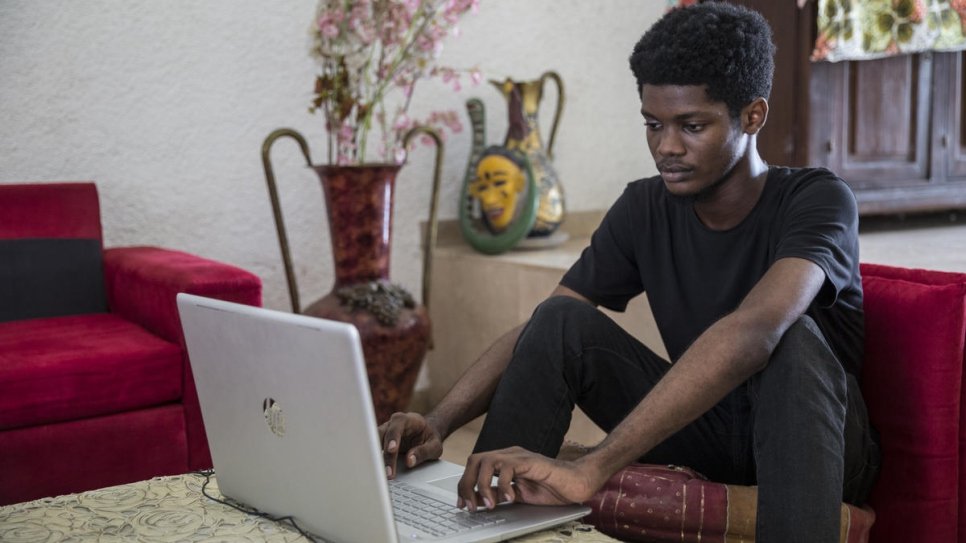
<point>274,416</point>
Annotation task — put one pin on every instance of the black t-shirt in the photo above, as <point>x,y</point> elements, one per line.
<point>653,242</point>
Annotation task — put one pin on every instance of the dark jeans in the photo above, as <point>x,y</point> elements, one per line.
<point>798,429</point>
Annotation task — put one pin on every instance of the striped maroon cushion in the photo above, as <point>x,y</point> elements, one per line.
<point>50,247</point>
<point>646,502</point>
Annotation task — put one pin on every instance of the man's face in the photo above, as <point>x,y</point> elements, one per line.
<point>694,141</point>
<point>497,184</point>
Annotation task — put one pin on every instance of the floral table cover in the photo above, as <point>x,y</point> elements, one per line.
<point>169,509</point>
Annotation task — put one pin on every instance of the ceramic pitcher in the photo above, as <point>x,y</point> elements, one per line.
<point>523,135</point>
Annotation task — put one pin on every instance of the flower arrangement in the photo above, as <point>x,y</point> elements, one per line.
<point>369,50</point>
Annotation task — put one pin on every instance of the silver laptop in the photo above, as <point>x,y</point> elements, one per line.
<point>292,431</point>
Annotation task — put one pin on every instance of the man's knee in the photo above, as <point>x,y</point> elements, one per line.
<point>803,359</point>
<point>804,341</point>
<point>804,332</point>
<point>560,309</point>
<point>565,304</point>
<point>568,326</point>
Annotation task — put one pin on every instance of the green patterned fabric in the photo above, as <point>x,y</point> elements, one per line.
<point>864,29</point>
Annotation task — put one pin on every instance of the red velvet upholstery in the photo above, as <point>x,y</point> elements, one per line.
<point>99,364</point>
<point>73,456</point>
<point>98,399</point>
<point>912,380</point>
<point>52,210</point>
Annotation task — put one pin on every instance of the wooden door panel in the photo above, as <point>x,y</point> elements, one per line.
<point>882,111</point>
<point>881,137</point>
<point>953,137</point>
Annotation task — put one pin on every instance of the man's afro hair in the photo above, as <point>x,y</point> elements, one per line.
<point>726,47</point>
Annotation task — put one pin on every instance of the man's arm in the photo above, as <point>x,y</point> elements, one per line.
<point>420,438</point>
<point>724,356</point>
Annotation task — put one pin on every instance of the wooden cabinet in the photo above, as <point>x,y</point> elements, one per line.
<point>952,99</point>
<point>893,128</point>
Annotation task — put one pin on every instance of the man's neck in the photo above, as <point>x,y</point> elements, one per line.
<point>735,197</point>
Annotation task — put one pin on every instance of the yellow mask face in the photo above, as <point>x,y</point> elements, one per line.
<point>499,181</point>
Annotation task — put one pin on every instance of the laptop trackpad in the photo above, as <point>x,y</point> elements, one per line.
<point>449,483</point>
<point>446,483</point>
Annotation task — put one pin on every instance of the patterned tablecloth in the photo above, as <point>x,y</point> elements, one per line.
<point>170,509</point>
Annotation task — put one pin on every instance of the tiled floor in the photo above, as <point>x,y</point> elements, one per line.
<point>931,246</point>
<point>936,243</point>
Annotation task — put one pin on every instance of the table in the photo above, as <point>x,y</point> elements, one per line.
<point>170,509</point>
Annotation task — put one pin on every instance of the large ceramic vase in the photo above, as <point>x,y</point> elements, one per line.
<point>394,330</point>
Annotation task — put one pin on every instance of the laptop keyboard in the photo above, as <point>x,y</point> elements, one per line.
<point>415,509</point>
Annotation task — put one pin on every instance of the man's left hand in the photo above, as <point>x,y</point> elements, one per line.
<point>524,476</point>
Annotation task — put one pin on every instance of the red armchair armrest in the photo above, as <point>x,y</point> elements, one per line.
<point>142,283</point>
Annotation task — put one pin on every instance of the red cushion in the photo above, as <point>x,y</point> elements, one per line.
<point>49,210</point>
<point>645,502</point>
<point>142,283</point>
<point>911,380</point>
<point>50,245</point>
<point>67,368</point>
<point>665,504</point>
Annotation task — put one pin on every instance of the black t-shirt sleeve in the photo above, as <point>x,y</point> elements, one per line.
<point>607,272</point>
<point>821,225</point>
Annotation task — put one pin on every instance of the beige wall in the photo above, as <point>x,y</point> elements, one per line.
<point>166,104</point>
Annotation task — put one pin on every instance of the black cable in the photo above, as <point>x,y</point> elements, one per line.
<point>207,473</point>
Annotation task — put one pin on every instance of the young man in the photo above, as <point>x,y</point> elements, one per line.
<point>752,274</point>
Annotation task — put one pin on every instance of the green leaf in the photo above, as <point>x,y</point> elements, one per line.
<point>834,30</point>
<point>884,22</point>
<point>831,10</point>
<point>904,32</point>
<point>904,9</point>
<point>950,19</point>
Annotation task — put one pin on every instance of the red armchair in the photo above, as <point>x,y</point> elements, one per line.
<point>95,385</point>
<point>912,380</point>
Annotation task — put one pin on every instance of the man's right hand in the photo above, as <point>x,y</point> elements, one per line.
<point>409,434</point>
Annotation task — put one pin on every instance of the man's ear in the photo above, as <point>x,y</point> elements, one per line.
<point>754,115</point>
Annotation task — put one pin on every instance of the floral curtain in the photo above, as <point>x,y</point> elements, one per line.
<point>864,29</point>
